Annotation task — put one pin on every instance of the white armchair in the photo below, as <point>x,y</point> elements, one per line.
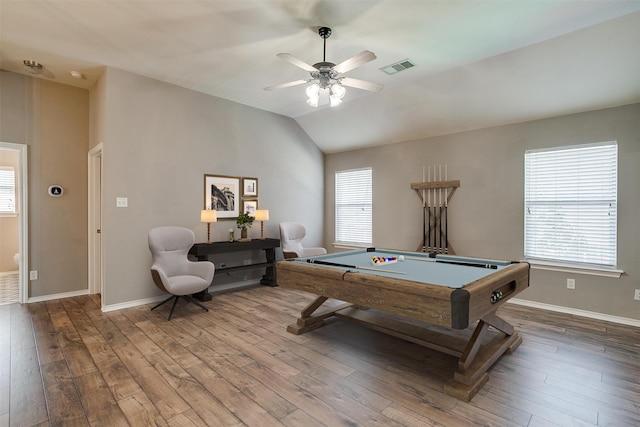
<point>172,271</point>
<point>291,235</point>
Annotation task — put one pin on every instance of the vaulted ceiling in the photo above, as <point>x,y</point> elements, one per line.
<point>477,63</point>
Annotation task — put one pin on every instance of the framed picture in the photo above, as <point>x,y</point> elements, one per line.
<point>222,194</point>
<point>249,187</point>
<point>250,206</point>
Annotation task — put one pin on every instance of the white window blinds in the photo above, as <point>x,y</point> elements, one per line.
<point>7,190</point>
<point>571,204</point>
<point>354,206</point>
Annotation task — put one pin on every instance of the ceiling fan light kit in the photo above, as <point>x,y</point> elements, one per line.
<point>328,81</point>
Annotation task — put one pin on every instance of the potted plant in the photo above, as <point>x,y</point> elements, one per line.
<point>244,221</point>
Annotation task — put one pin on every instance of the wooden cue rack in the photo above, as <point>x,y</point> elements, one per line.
<point>432,225</point>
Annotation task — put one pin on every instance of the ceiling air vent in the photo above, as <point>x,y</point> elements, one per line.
<point>398,66</point>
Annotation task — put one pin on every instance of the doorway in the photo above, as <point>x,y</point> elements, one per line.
<point>13,223</point>
<point>96,250</point>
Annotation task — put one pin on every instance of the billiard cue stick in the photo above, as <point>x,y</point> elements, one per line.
<point>424,216</point>
<point>446,211</point>
<point>440,208</point>
<point>432,230</point>
<point>464,263</point>
<point>429,191</point>
<point>424,231</point>
<point>358,267</point>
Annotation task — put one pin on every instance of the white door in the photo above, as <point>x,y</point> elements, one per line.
<point>96,282</point>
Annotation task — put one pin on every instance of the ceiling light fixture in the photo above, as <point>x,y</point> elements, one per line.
<point>328,89</point>
<point>32,67</point>
<point>327,78</point>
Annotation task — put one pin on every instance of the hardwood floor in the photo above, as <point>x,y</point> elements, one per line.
<point>65,363</point>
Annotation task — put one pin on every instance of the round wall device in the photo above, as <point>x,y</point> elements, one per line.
<point>55,191</point>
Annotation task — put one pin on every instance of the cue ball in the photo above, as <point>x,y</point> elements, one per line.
<point>401,257</point>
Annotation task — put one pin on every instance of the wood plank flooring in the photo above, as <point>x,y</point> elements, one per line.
<point>65,363</point>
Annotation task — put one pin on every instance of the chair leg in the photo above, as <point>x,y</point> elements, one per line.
<point>167,300</point>
<point>188,298</point>
<point>173,307</point>
<point>175,299</point>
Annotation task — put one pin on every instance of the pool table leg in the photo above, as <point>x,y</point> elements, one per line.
<point>308,321</point>
<point>477,358</point>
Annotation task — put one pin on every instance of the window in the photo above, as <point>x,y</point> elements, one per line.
<point>7,190</point>
<point>354,207</point>
<point>571,204</point>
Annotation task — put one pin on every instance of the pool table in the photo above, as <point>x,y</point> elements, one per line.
<point>445,302</point>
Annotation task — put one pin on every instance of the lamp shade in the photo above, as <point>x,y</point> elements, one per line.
<point>262,215</point>
<point>338,90</point>
<point>208,215</point>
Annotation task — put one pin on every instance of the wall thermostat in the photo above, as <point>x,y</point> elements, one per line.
<point>55,191</point>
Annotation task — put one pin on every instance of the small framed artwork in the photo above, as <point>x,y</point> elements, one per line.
<point>222,194</point>
<point>249,187</point>
<point>250,206</point>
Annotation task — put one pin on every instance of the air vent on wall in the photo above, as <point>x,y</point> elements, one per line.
<point>398,66</point>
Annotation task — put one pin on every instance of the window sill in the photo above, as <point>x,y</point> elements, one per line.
<point>340,245</point>
<point>569,268</point>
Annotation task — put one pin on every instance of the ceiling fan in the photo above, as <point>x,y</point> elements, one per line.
<point>329,82</point>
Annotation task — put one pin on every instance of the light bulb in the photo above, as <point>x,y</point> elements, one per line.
<point>313,101</point>
<point>312,91</point>
<point>338,90</point>
<point>323,96</point>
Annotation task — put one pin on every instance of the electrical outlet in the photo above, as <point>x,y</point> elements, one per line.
<point>571,283</point>
<point>222,265</point>
<point>636,296</point>
<point>33,275</point>
<point>122,202</point>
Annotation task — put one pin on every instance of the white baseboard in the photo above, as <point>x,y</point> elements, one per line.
<point>212,290</point>
<point>58,296</point>
<point>130,304</point>
<point>577,312</point>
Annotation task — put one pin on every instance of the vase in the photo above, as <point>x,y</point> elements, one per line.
<point>243,233</point>
<point>232,236</point>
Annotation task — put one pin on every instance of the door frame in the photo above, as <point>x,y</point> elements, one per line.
<point>95,244</point>
<point>23,217</point>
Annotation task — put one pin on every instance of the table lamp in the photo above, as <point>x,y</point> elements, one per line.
<point>208,216</point>
<point>262,215</point>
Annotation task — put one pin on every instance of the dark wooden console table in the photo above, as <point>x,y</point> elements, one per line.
<point>202,251</point>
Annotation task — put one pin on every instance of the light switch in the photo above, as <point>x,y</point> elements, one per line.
<point>122,202</point>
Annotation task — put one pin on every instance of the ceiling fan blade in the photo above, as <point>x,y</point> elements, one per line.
<point>355,61</point>
<point>361,84</point>
<point>297,62</point>
<point>283,85</point>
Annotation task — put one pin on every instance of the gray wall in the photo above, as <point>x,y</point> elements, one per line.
<point>486,212</point>
<point>52,119</point>
<point>159,140</point>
